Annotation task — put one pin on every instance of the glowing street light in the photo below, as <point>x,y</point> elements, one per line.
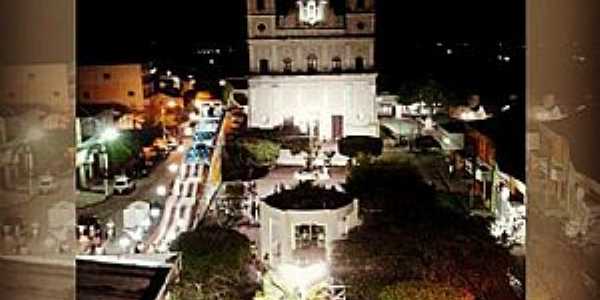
<point>109,134</point>
<point>173,168</point>
<point>161,190</point>
<point>302,279</point>
<point>222,82</point>
<point>171,103</point>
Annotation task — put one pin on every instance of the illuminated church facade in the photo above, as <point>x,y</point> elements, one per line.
<point>312,65</point>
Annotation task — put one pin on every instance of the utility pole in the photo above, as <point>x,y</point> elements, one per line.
<point>106,172</point>
<point>29,164</point>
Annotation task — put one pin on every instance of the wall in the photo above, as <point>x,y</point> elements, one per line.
<point>309,98</point>
<point>49,85</point>
<point>325,49</point>
<point>278,226</point>
<point>93,87</point>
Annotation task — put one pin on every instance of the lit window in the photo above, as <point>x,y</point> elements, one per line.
<point>360,4</point>
<point>309,236</point>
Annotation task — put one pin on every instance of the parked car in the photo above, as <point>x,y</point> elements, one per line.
<point>123,184</point>
<point>202,149</point>
<point>172,143</point>
<point>46,184</point>
<point>427,143</point>
<point>204,137</point>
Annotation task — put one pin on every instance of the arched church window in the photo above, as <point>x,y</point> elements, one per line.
<point>263,65</point>
<point>260,4</point>
<point>287,65</point>
<point>360,4</point>
<point>312,63</point>
<point>359,63</point>
<point>336,64</point>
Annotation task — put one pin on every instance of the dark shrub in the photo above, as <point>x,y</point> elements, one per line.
<point>352,145</point>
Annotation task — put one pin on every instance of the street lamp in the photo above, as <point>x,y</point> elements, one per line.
<point>173,168</point>
<point>302,279</point>
<point>34,134</point>
<point>170,104</point>
<point>161,190</point>
<point>108,135</point>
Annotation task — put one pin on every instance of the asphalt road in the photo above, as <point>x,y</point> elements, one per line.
<point>145,190</point>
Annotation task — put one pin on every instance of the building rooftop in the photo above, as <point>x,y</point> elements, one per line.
<point>285,7</point>
<point>91,110</point>
<point>97,280</point>
<point>507,131</point>
<point>306,196</point>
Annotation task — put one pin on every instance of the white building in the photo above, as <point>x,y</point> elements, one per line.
<point>304,235</point>
<point>312,64</point>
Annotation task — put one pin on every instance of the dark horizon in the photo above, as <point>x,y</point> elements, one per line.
<point>405,47</point>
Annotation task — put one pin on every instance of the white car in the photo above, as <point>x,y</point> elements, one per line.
<point>46,184</point>
<point>172,143</point>
<point>123,184</point>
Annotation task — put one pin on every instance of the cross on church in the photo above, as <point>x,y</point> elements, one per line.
<point>311,11</point>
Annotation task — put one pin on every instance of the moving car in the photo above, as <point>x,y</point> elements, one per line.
<point>204,137</point>
<point>123,184</point>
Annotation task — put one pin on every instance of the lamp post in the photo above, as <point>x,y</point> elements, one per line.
<point>105,172</point>
<point>109,134</point>
<point>170,104</point>
<point>29,164</point>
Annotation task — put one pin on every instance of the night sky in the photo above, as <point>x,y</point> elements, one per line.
<point>170,31</point>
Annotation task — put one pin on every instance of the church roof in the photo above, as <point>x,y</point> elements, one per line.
<point>286,7</point>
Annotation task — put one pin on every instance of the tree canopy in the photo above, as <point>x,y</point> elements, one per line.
<point>409,236</point>
<point>214,264</point>
<point>353,145</point>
